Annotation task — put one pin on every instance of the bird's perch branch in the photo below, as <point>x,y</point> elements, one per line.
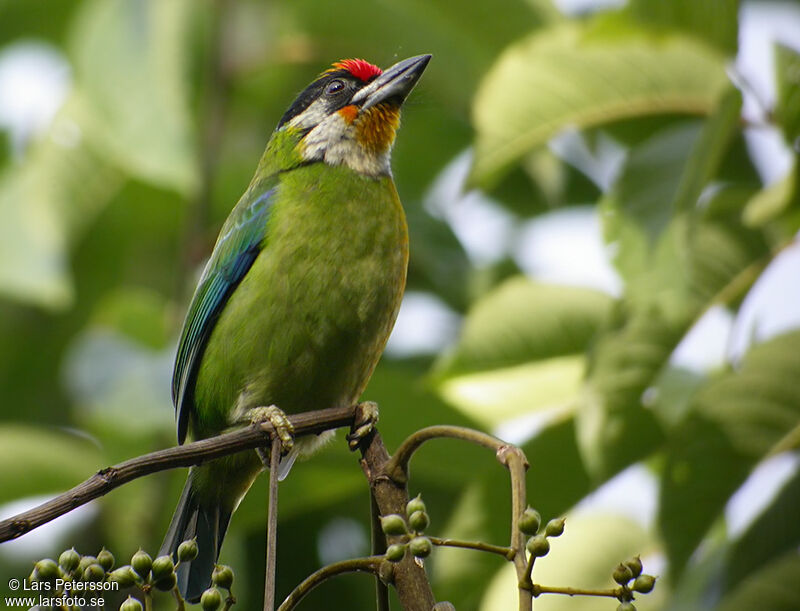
<point>105,480</point>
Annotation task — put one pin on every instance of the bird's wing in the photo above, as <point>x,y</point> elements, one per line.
<point>238,245</point>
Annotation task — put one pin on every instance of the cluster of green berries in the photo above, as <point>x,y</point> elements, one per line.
<point>409,529</point>
<point>143,572</point>
<point>631,571</point>
<point>530,523</point>
<point>71,566</point>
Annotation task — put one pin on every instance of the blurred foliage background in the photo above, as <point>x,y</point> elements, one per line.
<point>604,270</point>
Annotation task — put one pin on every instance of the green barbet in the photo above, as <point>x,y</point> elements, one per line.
<point>296,304</point>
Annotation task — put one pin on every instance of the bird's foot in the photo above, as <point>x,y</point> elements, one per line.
<point>281,426</point>
<point>364,421</point>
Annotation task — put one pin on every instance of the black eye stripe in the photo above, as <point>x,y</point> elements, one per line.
<point>319,88</point>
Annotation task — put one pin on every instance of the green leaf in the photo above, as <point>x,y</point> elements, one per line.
<point>714,21</point>
<point>787,76</point>
<point>614,427</point>
<point>677,257</point>
<point>776,531</point>
<point>521,348</point>
<point>645,213</point>
<point>131,59</point>
<point>773,587</point>
<point>46,203</point>
<point>734,422</point>
<point>523,321</point>
<point>45,461</point>
<point>580,76</point>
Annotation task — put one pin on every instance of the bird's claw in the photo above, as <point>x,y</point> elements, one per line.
<point>281,426</point>
<point>363,423</point>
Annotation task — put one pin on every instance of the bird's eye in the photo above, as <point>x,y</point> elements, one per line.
<point>335,86</point>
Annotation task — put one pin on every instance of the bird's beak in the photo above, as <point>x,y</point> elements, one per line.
<point>395,83</point>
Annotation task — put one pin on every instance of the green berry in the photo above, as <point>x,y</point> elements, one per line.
<point>414,505</point>
<point>211,599</point>
<point>635,565</point>
<point>69,560</point>
<point>131,604</point>
<point>530,521</point>
<point>187,551</point>
<point>142,563</point>
<point>421,547</point>
<point>162,566</point>
<point>395,552</point>
<point>222,576</point>
<point>124,576</point>
<point>166,582</point>
<point>626,606</point>
<point>644,583</point>
<point>105,559</point>
<point>94,572</point>
<point>46,569</point>
<point>622,574</point>
<point>394,524</point>
<point>419,521</point>
<point>538,546</point>
<point>84,563</point>
<point>555,527</point>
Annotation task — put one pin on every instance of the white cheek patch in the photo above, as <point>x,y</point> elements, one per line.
<point>334,141</point>
<point>311,116</point>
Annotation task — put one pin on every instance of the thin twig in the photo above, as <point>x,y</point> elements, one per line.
<point>355,565</point>
<point>617,593</point>
<point>506,552</point>
<point>528,580</point>
<point>179,602</point>
<point>513,458</point>
<point>272,523</point>
<point>397,467</point>
<point>198,452</point>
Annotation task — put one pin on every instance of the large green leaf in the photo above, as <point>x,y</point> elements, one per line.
<point>522,348</point>
<point>714,21</point>
<point>46,202</point>
<point>675,258</point>
<point>131,59</point>
<point>734,422</point>
<point>584,75</point>
<point>522,321</point>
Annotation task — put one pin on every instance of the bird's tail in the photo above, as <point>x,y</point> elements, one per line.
<point>205,522</point>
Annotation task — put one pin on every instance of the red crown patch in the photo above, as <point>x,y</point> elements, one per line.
<point>359,68</point>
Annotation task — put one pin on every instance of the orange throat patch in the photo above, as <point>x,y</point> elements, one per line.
<point>376,127</point>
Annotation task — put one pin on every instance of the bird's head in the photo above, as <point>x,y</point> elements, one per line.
<point>350,114</point>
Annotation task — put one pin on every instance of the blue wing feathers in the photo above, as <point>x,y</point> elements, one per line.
<point>239,244</point>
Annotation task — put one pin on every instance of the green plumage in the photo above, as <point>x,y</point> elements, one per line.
<point>297,301</point>
<point>305,326</point>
